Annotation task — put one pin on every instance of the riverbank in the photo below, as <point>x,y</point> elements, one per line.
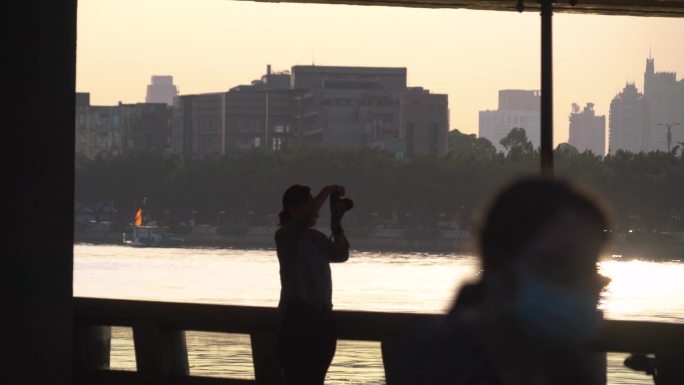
<point>266,241</point>
<point>659,247</point>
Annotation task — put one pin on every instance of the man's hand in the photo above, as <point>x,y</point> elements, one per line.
<point>337,212</point>
<point>337,209</point>
<point>332,189</point>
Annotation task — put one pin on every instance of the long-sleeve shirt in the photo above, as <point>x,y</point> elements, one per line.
<point>304,255</point>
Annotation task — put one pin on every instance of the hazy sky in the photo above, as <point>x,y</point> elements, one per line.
<point>212,45</point>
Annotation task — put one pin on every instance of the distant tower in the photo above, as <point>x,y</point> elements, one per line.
<point>665,96</point>
<point>587,130</point>
<point>629,129</point>
<point>162,90</point>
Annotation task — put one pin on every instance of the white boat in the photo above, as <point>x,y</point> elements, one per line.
<point>151,236</point>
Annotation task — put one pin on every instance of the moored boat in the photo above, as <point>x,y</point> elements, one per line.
<point>150,234</point>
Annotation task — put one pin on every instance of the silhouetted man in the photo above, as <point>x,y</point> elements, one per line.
<point>306,338</point>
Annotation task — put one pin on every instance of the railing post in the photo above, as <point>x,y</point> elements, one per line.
<point>160,352</point>
<point>92,346</point>
<point>267,369</point>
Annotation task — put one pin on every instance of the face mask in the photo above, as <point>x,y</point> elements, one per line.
<point>555,315</point>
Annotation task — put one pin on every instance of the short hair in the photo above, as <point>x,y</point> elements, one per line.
<point>524,208</point>
<point>294,196</point>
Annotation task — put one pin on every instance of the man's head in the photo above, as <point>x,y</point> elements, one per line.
<point>546,225</point>
<point>539,245</point>
<point>295,199</point>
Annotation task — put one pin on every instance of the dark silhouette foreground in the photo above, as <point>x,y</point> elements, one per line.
<point>529,317</point>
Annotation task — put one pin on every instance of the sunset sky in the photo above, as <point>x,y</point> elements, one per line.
<point>213,45</point>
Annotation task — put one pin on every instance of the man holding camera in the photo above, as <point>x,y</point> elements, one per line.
<point>306,339</point>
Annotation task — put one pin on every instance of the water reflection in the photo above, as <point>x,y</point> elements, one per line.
<point>643,290</point>
<point>426,283</point>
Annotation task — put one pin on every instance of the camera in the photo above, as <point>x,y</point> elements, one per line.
<point>335,197</point>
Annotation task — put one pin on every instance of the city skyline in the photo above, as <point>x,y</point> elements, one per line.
<point>594,55</point>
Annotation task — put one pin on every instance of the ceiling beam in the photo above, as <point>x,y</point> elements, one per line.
<point>659,8</point>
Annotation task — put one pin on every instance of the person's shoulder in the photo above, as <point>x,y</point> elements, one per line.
<point>282,235</point>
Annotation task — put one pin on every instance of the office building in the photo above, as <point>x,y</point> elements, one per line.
<point>103,131</point>
<point>517,108</point>
<point>587,130</point>
<point>665,96</point>
<point>317,106</point>
<point>628,123</point>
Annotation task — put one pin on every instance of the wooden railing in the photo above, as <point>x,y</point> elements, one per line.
<point>161,353</point>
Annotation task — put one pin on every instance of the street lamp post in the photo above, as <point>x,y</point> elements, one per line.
<point>669,133</point>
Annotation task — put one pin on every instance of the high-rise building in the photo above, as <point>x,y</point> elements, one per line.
<point>348,106</point>
<point>424,122</point>
<point>319,106</point>
<point>665,96</point>
<point>587,130</point>
<point>197,125</point>
<point>369,106</point>
<point>261,114</point>
<point>161,90</point>
<point>145,125</point>
<point>517,108</point>
<point>629,121</point>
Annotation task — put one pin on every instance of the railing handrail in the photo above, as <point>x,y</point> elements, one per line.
<point>618,335</point>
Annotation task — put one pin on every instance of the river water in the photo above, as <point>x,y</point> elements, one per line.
<point>397,282</point>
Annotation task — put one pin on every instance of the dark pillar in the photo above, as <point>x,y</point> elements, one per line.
<point>160,352</point>
<point>546,87</point>
<point>39,61</point>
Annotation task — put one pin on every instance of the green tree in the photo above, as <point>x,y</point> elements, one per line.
<point>516,143</point>
<point>470,146</point>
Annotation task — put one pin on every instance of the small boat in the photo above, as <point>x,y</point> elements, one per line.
<point>150,235</point>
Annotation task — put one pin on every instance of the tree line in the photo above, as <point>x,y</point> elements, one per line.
<point>645,190</point>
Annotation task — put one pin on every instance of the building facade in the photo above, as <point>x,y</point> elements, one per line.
<point>587,130</point>
<point>197,126</point>
<point>629,121</point>
<point>665,96</point>
<point>98,129</point>
<point>261,114</point>
<point>111,130</point>
<point>161,90</point>
<point>145,125</point>
<point>369,106</point>
<point>424,122</point>
<point>82,123</point>
<point>318,106</point>
<point>517,108</point>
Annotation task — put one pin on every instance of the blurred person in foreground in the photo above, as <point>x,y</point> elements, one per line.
<point>534,309</point>
<point>306,339</point>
